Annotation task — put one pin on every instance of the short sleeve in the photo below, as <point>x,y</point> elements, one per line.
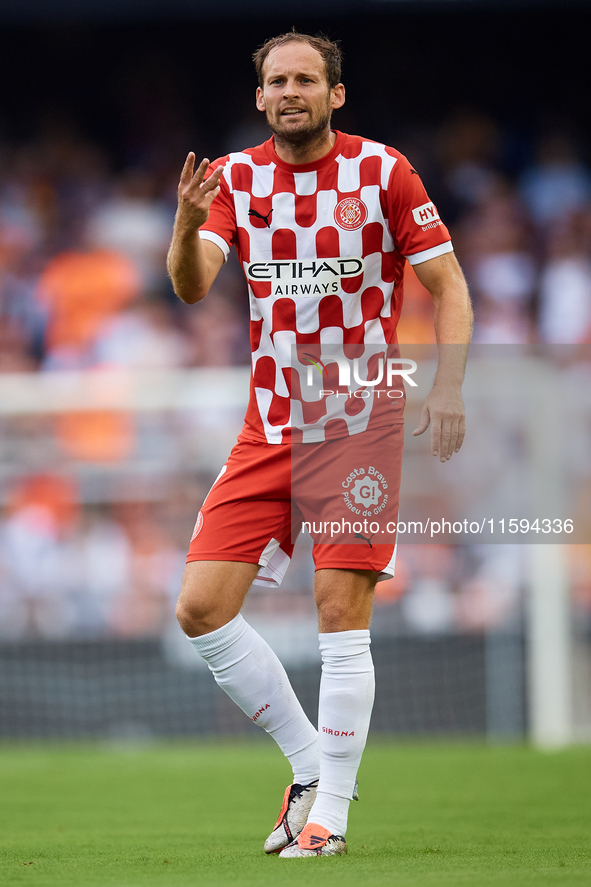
<point>418,232</point>
<point>220,227</point>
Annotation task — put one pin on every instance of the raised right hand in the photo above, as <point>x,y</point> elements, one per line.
<point>196,193</point>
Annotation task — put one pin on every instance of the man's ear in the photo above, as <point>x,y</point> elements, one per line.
<point>337,97</point>
<point>260,101</point>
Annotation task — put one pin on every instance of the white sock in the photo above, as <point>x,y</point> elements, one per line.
<point>344,711</point>
<point>247,669</point>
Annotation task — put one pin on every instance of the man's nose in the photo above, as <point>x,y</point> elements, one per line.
<point>291,89</point>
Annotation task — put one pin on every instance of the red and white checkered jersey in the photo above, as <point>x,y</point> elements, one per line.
<point>323,247</point>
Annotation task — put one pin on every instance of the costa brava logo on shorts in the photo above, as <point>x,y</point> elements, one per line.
<point>350,213</point>
<point>364,491</point>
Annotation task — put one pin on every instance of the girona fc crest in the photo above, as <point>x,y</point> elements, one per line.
<point>350,213</point>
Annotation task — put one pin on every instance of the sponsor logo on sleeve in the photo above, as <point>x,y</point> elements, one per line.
<point>425,214</point>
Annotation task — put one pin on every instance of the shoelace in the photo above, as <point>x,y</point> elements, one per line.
<point>298,790</point>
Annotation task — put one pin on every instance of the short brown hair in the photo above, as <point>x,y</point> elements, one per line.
<point>328,49</point>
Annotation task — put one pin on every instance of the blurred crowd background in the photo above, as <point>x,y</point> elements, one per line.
<point>94,132</point>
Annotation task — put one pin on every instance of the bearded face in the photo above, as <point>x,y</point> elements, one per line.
<point>295,95</point>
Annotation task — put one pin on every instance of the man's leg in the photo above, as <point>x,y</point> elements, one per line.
<point>344,601</point>
<point>242,663</point>
<point>212,594</point>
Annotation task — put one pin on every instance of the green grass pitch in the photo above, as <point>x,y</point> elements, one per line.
<point>197,814</point>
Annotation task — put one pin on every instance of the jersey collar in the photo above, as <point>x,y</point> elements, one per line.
<point>306,167</point>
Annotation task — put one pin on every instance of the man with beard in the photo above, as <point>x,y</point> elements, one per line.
<point>323,224</point>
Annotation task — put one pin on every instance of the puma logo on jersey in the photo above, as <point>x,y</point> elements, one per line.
<point>265,219</point>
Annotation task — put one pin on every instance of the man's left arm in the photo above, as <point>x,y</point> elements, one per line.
<point>444,407</point>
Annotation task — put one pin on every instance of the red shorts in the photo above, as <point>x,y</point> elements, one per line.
<point>343,493</point>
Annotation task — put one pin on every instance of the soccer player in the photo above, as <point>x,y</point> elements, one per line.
<point>323,223</point>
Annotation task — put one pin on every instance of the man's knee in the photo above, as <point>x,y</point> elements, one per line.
<point>192,613</point>
<point>344,599</point>
<point>212,594</point>
<point>334,614</point>
<point>193,606</point>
